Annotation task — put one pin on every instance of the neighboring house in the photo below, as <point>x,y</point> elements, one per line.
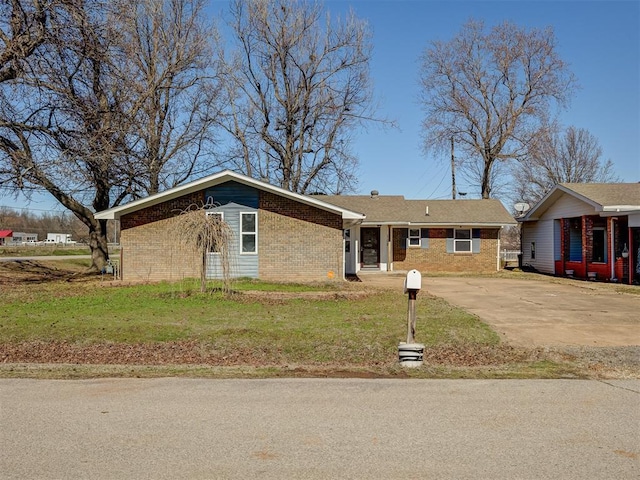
<point>6,237</point>
<point>585,230</point>
<point>281,235</point>
<point>428,235</point>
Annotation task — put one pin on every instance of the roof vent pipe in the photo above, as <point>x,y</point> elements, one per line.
<point>426,210</point>
<point>374,193</point>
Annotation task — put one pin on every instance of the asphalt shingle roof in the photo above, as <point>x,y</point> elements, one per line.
<point>608,194</point>
<point>396,209</point>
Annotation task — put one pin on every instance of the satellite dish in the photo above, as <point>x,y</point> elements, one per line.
<point>521,207</point>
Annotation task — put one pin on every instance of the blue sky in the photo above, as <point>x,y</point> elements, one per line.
<point>599,39</point>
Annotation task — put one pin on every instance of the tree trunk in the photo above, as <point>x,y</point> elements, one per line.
<point>486,178</point>
<point>98,245</point>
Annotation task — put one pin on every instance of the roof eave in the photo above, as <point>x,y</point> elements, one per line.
<point>117,212</point>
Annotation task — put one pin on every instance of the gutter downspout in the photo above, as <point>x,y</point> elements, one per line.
<point>613,250</point>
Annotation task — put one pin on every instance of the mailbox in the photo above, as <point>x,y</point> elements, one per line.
<point>413,281</point>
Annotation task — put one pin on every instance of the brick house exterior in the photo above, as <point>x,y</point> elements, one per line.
<point>284,236</point>
<point>298,237</point>
<point>427,235</point>
<point>298,241</point>
<point>437,259</point>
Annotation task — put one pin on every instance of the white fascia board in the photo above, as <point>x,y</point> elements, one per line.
<point>216,179</point>
<point>466,224</point>
<point>380,224</point>
<point>620,213</point>
<point>621,208</point>
<point>436,225</point>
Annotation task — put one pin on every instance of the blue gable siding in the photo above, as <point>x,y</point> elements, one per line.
<point>241,265</point>
<point>232,192</point>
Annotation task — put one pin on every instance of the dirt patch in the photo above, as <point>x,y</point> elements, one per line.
<point>28,272</point>
<point>193,352</point>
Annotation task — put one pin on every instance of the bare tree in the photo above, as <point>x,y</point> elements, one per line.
<point>63,126</point>
<point>489,91</point>
<point>296,88</point>
<point>92,120</point>
<point>167,71</point>
<point>572,155</point>
<point>22,30</point>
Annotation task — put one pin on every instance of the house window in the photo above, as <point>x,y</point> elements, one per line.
<point>462,240</point>
<point>414,237</point>
<point>533,250</point>
<point>599,251</point>
<point>347,241</point>
<point>249,232</point>
<point>215,248</point>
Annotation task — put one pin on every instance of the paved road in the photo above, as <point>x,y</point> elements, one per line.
<point>319,429</point>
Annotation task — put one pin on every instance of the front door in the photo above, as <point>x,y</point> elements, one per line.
<point>370,250</point>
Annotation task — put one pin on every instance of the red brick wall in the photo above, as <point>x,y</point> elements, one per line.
<point>436,259</point>
<point>297,241</point>
<point>161,211</point>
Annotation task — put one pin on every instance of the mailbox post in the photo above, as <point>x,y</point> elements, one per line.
<point>412,285</point>
<point>409,352</point>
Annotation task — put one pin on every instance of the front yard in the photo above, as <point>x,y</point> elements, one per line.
<point>59,323</point>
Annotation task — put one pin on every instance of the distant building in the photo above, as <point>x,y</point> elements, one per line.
<point>6,237</point>
<point>21,238</point>
<point>58,238</point>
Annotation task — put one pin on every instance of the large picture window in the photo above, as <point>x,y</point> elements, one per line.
<point>249,232</point>
<point>462,240</point>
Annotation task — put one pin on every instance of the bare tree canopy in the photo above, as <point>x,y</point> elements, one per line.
<point>107,106</point>
<point>490,91</point>
<point>166,70</point>
<point>22,30</point>
<point>297,88</point>
<point>570,156</point>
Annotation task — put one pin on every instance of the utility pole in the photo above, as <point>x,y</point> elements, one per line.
<point>453,173</point>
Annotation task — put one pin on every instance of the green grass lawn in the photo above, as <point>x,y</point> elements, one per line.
<point>262,330</point>
<point>339,329</point>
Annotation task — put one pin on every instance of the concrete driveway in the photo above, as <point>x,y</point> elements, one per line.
<point>540,312</point>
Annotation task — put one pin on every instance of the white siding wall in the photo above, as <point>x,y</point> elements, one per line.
<point>384,248</point>
<point>541,233</point>
<point>567,207</point>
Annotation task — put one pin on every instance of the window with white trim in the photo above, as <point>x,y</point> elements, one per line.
<point>462,240</point>
<point>248,232</point>
<point>414,237</point>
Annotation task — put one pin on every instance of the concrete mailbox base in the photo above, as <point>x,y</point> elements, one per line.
<point>410,354</point>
